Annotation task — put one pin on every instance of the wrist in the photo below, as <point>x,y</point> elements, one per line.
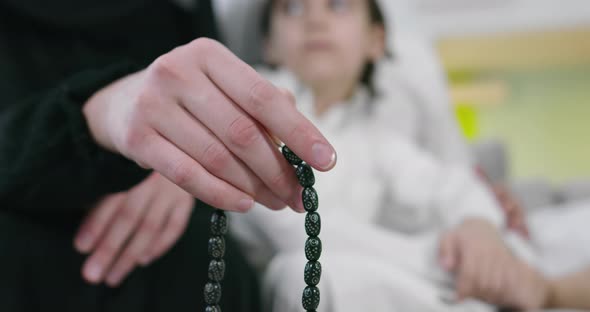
<point>94,112</point>
<point>100,111</point>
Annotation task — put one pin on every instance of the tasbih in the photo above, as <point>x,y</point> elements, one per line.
<point>313,245</point>
<point>216,270</point>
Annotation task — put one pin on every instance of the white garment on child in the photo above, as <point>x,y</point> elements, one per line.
<point>383,208</point>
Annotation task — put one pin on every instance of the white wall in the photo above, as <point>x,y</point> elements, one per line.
<point>444,18</point>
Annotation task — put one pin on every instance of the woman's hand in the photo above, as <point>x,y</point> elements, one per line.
<point>201,117</point>
<point>132,228</point>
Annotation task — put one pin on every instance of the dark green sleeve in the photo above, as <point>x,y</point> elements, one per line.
<point>49,162</point>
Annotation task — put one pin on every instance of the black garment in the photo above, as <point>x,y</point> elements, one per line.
<point>53,56</point>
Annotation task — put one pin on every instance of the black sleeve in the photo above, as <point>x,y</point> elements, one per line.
<point>49,162</point>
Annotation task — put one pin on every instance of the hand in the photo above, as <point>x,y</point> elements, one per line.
<point>132,228</point>
<point>201,117</point>
<point>485,268</point>
<point>514,212</point>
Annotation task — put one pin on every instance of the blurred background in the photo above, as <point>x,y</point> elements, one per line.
<point>518,75</point>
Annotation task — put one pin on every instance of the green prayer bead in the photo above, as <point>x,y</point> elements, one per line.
<point>212,293</point>
<point>305,175</point>
<point>215,308</point>
<point>291,157</point>
<point>313,224</point>
<point>312,273</point>
<point>216,247</point>
<point>311,298</point>
<point>216,270</point>
<point>310,199</point>
<point>313,248</point>
<point>218,223</point>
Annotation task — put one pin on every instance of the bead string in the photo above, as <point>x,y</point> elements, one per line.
<point>216,272</point>
<point>313,245</point>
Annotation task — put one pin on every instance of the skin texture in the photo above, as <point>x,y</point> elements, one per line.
<point>570,291</point>
<point>202,120</point>
<point>134,227</point>
<point>485,269</point>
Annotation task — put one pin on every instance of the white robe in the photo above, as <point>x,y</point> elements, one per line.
<point>398,184</point>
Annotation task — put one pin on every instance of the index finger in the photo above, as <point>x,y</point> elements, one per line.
<point>268,105</point>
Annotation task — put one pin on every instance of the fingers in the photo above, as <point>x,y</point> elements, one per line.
<point>173,229</point>
<point>185,172</point>
<point>266,104</point>
<point>466,282</point>
<point>95,224</point>
<point>128,215</point>
<point>245,138</point>
<point>150,227</point>
<point>447,252</point>
<point>194,139</point>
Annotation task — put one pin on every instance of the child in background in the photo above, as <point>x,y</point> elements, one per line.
<point>407,225</point>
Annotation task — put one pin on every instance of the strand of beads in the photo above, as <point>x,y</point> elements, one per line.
<point>313,245</point>
<point>216,272</point>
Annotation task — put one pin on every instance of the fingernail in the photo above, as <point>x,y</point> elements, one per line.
<point>93,272</point>
<point>299,205</point>
<point>83,242</point>
<point>245,205</point>
<point>323,155</point>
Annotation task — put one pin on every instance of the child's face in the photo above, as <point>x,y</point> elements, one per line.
<point>324,40</point>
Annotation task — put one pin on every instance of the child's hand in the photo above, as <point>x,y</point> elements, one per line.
<point>515,216</point>
<point>132,228</point>
<point>476,254</point>
<point>485,268</point>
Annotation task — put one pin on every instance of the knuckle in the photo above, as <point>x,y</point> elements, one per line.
<point>108,249</point>
<point>243,132</point>
<point>128,214</point>
<point>216,157</point>
<point>181,173</point>
<point>149,226</point>
<point>176,226</point>
<point>261,94</point>
<point>204,45</point>
<point>301,129</point>
<point>135,138</point>
<point>163,67</point>
<point>216,197</point>
<point>281,180</point>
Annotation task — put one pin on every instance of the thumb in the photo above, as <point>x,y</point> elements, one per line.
<point>448,251</point>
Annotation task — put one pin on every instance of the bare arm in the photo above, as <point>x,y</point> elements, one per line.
<point>571,291</point>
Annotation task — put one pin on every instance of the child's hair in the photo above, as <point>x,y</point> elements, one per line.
<point>377,17</point>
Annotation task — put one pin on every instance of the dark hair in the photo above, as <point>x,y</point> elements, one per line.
<point>377,17</point>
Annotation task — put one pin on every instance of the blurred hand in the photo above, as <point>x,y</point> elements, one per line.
<point>201,117</point>
<point>485,269</point>
<point>515,216</point>
<point>132,228</point>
